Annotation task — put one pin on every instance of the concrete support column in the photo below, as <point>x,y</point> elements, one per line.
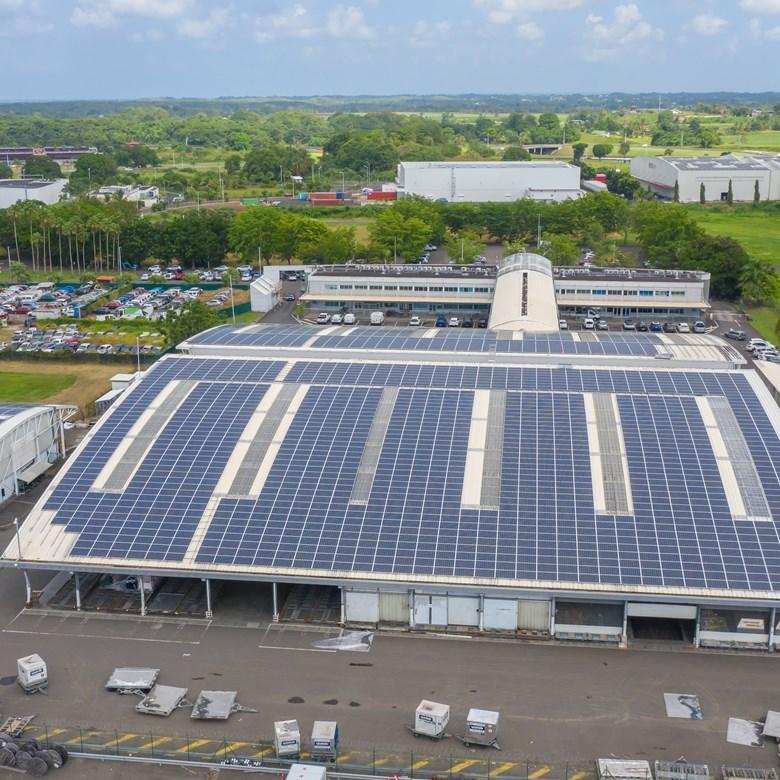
<point>209,613</point>
<point>696,638</point>
<point>552,617</point>
<point>411,609</point>
<point>343,605</point>
<point>624,632</point>
<point>276,602</point>
<point>143,595</point>
<point>481,611</point>
<point>772,623</point>
<point>77,585</point>
<point>28,588</point>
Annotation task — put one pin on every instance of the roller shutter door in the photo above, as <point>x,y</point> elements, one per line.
<point>533,615</point>
<point>500,614</point>
<point>463,611</point>
<point>430,610</point>
<point>394,608</point>
<point>677,611</point>
<point>362,607</point>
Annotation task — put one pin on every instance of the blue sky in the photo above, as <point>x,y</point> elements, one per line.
<point>60,49</point>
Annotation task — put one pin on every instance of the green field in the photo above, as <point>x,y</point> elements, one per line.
<point>31,388</point>
<point>758,230</point>
<point>764,319</point>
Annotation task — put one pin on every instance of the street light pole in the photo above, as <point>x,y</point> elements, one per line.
<point>232,300</point>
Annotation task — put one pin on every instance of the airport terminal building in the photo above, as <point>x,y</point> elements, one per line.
<point>515,480</point>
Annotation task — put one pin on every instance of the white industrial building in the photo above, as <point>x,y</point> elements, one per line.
<point>31,440</point>
<point>659,175</point>
<point>474,182</point>
<point>16,190</point>
<point>147,196</point>
<point>423,289</point>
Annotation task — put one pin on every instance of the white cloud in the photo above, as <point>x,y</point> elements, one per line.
<point>22,18</point>
<point>773,33</point>
<point>626,30</point>
<point>426,33</point>
<point>708,24</point>
<point>348,22</point>
<point>504,11</point>
<point>10,6</point>
<point>296,22</point>
<point>216,20</point>
<point>105,13</point>
<point>529,31</point>
<point>758,32</point>
<point>761,6</point>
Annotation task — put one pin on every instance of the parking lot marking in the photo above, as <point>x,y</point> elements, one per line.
<point>300,649</point>
<point>459,767</point>
<point>80,738</point>
<point>153,743</point>
<point>579,775</point>
<point>419,764</point>
<point>263,752</point>
<point>231,747</point>
<point>380,761</point>
<point>541,772</point>
<point>345,757</point>
<point>193,745</point>
<point>121,638</point>
<point>503,768</point>
<point>124,738</point>
<point>54,733</point>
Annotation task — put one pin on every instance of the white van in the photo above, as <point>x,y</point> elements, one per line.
<point>377,318</point>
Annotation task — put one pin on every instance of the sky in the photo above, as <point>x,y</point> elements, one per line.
<point>82,49</point>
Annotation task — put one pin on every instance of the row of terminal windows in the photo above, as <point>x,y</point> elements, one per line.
<point>632,293</point>
<point>408,288</point>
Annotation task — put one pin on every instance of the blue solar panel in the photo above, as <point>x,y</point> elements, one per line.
<point>8,410</point>
<point>681,532</point>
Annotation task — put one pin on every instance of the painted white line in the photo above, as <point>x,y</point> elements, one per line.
<point>97,636</point>
<point>299,649</point>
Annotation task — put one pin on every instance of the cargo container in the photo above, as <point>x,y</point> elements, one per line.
<point>287,738</point>
<point>302,196</point>
<point>431,719</point>
<point>306,772</point>
<point>324,740</point>
<point>32,673</point>
<point>340,195</point>
<point>382,196</point>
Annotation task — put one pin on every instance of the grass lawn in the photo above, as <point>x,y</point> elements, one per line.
<point>30,388</point>
<point>361,226</point>
<point>764,319</point>
<point>757,230</point>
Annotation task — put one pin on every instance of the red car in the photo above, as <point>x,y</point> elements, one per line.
<point>22,310</point>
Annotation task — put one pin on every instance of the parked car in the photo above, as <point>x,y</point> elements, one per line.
<point>289,297</point>
<point>336,319</point>
<point>643,327</point>
<point>467,323</point>
<point>655,327</point>
<point>602,325</point>
<point>441,321</point>
<point>670,327</point>
<point>377,318</point>
<point>735,335</point>
<point>454,322</point>
<point>629,325</point>
<point>415,321</point>
<point>563,325</point>
<point>323,318</point>
<point>482,323</point>
<point>349,319</point>
<point>699,327</point>
<point>683,327</point>
<point>588,324</point>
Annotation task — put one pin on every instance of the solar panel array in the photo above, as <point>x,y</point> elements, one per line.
<point>442,340</point>
<point>9,410</point>
<point>681,532</point>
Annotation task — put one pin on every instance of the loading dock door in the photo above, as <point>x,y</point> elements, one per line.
<point>394,608</point>
<point>533,615</point>
<point>362,607</point>
<point>463,611</point>
<point>673,611</point>
<point>500,614</point>
<point>430,610</point>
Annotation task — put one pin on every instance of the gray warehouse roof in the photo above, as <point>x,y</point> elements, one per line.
<point>723,163</point>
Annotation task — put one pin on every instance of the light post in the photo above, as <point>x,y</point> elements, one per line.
<point>232,300</point>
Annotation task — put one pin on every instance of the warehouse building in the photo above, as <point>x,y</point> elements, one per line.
<point>16,190</point>
<point>31,439</point>
<point>473,182</point>
<point>659,175</point>
<point>594,486</point>
<point>457,290</point>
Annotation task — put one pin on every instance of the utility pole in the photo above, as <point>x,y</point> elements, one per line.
<point>395,249</point>
<point>260,258</point>
<point>539,230</point>
<point>462,242</point>
<point>232,300</point>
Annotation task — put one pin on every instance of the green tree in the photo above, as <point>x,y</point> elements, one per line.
<point>602,150</point>
<point>578,151</point>
<point>756,193</point>
<point>676,196</point>
<point>337,246</point>
<point>758,282</point>
<point>232,164</point>
<point>515,153</point>
<point>464,246</point>
<point>624,148</point>
<point>393,233</point>
<point>20,273</point>
<point>560,250</point>
<point>724,258</point>
<point>702,194</point>
<point>6,172</point>
<point>92,170</point>
<point>42,167</point>
<point>730,193</point>
<point>665,232</point>
<point>194,317</point>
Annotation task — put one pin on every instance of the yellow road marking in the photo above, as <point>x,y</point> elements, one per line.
<point>193,745</point>
<point>153,743</point>
<point>419,764</point>
<point>545,770</point>
<point>263,752</point>
<point>504,768</point>
<point>232,746</point>
<point>54,732</point>
<point>381,761</point>
<point>579,775</point>
<point>123,738</point>
<point>345,757</point>
<point>465,765</point>
<point>80,737</point>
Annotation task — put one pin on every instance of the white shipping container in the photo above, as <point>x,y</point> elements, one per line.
<point>306,772</point>
<point>287,738</point>
<point>431,718</point>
